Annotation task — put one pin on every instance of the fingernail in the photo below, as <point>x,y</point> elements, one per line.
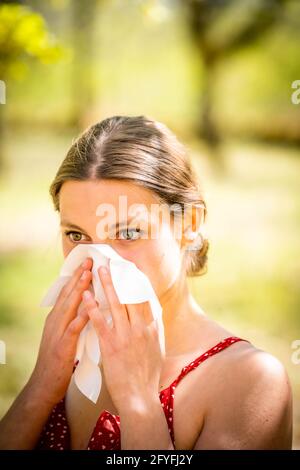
<point>84,275</point>
<point>84,264</point>
<point>87,295</point>
<point>103,270</point>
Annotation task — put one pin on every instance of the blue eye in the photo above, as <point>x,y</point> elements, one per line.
<point>127,232</point>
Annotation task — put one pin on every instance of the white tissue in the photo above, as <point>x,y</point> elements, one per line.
<point>131,286</point>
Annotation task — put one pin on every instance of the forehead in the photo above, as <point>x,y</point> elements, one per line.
<point>82,198</point>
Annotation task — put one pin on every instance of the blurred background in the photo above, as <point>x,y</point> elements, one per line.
<point>222,74</point>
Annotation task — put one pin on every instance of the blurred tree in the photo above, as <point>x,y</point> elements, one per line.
<point>83,18</point>
<point>218,28</point>
<point>23,35</point>
<point>79,31</point>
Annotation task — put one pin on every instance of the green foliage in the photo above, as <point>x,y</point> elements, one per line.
<point>24,34</point>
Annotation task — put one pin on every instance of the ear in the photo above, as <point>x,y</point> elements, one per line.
<point>193,223</point>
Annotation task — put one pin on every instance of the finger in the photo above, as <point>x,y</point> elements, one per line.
<point>153,329</point>
<point>76,326</point>
<point>96,316</point>
<point>68,287</point>
<point>148,314</point>
<point>140,315</point>
<point>136,315</point>
<point>118,311</point>
<point>72,302</point>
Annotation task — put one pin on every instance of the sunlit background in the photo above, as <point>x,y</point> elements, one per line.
<point>220,74</point>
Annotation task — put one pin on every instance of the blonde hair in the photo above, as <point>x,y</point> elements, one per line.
<point>145,152</point>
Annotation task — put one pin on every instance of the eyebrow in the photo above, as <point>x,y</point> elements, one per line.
<point>66,223</point>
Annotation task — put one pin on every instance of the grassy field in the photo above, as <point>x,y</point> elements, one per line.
<point>252,282</point>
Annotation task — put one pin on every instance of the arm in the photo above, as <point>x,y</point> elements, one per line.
<point>132,362</point>
<point>255,411</point>
<point>145,427</point>
<point>23,422</point>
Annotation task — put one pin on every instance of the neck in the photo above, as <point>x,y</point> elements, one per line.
<point>180,314</point>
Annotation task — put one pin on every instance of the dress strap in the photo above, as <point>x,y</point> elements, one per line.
<point>210,352</point>
<point>167,395</point>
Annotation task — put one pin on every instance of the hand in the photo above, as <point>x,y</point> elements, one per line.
<point>130,349</point>
<point>55,361</point>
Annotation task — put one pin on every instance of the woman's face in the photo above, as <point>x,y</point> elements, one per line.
<point>89,209</point>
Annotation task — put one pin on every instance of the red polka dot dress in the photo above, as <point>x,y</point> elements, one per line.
<point>106,434</point>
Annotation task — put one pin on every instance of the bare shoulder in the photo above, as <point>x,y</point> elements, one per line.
<point>251,406</point>
<point>260,376</point>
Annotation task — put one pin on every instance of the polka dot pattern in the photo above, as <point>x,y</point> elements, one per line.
<point>55,434</point>
<point>106,434</point>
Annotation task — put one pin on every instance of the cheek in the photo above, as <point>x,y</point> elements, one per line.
<point>168,265</point>
<point>160,260</point>
<point>66,248</point>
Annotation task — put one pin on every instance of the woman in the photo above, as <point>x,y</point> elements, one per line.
<point>211,390</point>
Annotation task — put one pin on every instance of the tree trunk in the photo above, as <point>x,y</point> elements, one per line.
<point>83,15</point>
<point>206,128</point>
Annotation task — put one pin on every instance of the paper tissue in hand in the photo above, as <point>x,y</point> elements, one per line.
<point>131,286</point>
